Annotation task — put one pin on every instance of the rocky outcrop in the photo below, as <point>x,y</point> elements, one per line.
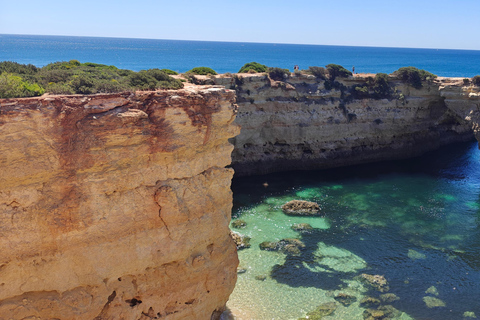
<point>464,101</point>
<point>117,206</point>
<point>302,124</point>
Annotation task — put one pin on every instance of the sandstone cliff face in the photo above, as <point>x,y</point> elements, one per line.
<point>116,206</point>
<point>464,101</point>
<point>298,124</point>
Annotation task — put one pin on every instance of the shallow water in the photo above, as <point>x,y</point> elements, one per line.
<point>416,222</point>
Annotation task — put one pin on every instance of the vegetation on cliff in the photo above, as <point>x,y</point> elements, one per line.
<point>414,76</point>
<point>374,88</point>
<point>19,80</point>
<point>253,67</point>
<point>319,72</point>
<point>202,71</point>
<point>476,80</point>
<point>278,74</point>
<point>336,70</point>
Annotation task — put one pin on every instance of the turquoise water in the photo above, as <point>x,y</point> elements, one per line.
<point>138,54</point>
<point>415,222</point>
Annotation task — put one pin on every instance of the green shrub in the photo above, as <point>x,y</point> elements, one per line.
<point>83,84</point>
<point>318,72</point>
<point>253,67</point>
<point>169,72</point>
<point>157,74</point>
<point>32,89</point>
<point>98,66</point>
<point>17,68</point>
<point>414,76</point>
<point>83,78</point>
<point>466,82</point>
<point>330,84</point>
<point>360,92</point>
<point>278,74</point>
<point>59,88</point>
<point>13,86</point>
<point>53,75</point>
<point>202,71</point>
<point>106,86</point>
<point>336,70</point>
<point>476,80</point>
<point>62,65</point>
<point>381,86</point>
<point>10,86</point>
<point>170,84</point>
<point>142,80</point>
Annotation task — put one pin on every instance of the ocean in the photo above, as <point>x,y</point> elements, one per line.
<point>181,56</point>
<point>415,222</point>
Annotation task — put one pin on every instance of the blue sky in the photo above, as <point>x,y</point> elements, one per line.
<point>417,24</point>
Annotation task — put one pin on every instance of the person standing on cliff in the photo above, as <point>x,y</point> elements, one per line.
<point>353,69</point>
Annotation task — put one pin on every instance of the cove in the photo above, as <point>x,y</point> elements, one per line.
<point>416,222</point>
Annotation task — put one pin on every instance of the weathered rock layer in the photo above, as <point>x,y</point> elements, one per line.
<point>116,206</point>
<point>299,124</point>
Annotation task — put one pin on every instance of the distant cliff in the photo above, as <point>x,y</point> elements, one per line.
<point>304,123</point>
<point>116,206</point>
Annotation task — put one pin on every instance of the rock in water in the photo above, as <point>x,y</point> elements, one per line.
<point>345,299</point>
<point>415,255</point>
<point>432,302</point>
<point>389,297</point>
<point>241,241</point>
<point>288,246</point>
<point>432,290</point>
<point>376,281</point>
<point>239,224</point>
<point>369,302</point>
<point>301,208</point>
<point>321,311</point>
<point>373,314</point>
<point>302,227</point>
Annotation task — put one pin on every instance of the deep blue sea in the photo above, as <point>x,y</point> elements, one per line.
<point>181,56</point>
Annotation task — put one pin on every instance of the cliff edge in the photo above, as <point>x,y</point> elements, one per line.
<point>304,123</point>
<point>117,206</point>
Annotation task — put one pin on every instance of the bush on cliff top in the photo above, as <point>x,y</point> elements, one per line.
<point>169,72</point>
<point>381,86</point>
<point>278,74</point>
<point>202,71</point>
<point>476,80</point>
<point>12,86</point>
<point>253,67</point>
<point>336,70</point>
<point>373,88</point>
<point>17,68</point>
<point>69,77</point>
<point>414,76</point>
<point>318,72</point>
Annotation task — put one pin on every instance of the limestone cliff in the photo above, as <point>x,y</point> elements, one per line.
<point>464,101</point>
<point>116,206</point>
<point>300,124</point>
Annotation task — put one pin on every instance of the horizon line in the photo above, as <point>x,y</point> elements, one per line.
<point>253,42</point>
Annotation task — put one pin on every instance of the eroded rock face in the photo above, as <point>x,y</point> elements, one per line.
<point>464,101</point>
<point>116,206</point>
<point>302,125</point>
